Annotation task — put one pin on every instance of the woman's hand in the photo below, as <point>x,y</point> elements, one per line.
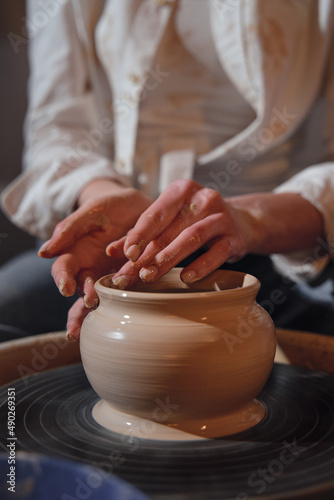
<point>80,242</point>
<point>184,218</point>
<point>188,216</point>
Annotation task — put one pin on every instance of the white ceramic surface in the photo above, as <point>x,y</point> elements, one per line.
<point>189,357</point>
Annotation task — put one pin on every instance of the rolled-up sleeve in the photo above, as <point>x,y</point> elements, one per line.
<point>68,141</point>
<point>315,184</point>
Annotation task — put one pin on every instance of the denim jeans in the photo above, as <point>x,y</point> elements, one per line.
<point>30,302</point>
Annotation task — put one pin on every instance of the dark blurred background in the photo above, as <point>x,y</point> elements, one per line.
<point>13,102</point>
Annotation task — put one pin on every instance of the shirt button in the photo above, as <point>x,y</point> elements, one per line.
<point>134,78</point>
<point>120,164</point>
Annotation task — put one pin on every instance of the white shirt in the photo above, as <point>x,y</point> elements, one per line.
<point>193,109</point>
<point>92,63</point>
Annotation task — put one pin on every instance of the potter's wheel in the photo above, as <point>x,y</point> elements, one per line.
<point>291,450</point>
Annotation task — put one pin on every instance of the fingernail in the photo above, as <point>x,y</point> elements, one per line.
<point>133,252</point>
<point>148,274</point>
<point>69,337</point>
<point>62,287</point>
<point>188,276</point>
<point>110,249</point>
<point>90,304</point>
<point>44,248</point>
<point>121,282</point>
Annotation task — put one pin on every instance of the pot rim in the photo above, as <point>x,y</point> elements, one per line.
<point>248,285</point>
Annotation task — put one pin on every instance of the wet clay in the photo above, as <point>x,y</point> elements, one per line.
<point>193,362</point>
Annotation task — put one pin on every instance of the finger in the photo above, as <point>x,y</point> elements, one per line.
<point>116,248</point>
<point>198,204</point>
<point>190,240</point>
<point>64,271</point>
<point>86,280</point>
<point>43,250</point>
<point>68,231</point>
<point>76,315</point>
<point>128,274</point>
<point>185,218</point>
<point>156,219</point>
<point>218,253</point>
<point>167,250</point>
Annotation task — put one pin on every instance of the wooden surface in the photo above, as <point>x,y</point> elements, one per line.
<point>309,350</point>
<point>35,354</point>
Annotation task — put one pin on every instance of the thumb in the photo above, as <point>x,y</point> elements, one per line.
<point>85,219</point>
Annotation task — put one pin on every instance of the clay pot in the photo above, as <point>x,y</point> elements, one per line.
<point>192,357</point>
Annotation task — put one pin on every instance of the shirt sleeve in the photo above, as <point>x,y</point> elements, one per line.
<point>68,142</point>
<point>315,184</point>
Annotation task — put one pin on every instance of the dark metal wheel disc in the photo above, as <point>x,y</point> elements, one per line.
<point>290,454</point>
